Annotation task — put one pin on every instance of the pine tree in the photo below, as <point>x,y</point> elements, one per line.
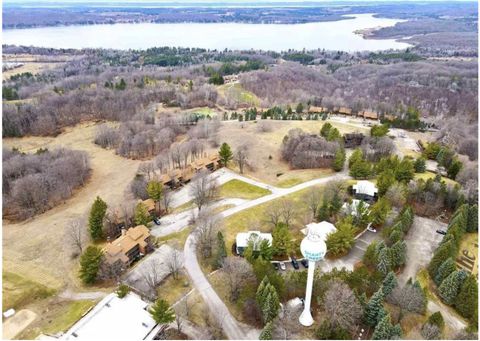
<point>225,154</point>
<point>221,250</point>
<point>467,298</point>
<point>472,221</point>
<point>141,214</point>
<point>450,287</point>
<point>266,333</point>
<point>384,261</point>
<point>95,220</point>
<point>389,283</point>
<point>373,308</point>
<point>339,160</point>
<point>445,270</point>
<point>90,264</point>
<point>155,190</point>
<point>399,253</point>
<point>323,212</point>
<point>161,312</point>
<point>261,293</point>
<point>383,330</point>
<point>335,204</point>
<point>443,252</point>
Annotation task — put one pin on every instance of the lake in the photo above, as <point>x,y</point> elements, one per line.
<point>333,35</point>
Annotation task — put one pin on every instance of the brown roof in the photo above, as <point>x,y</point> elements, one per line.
<point>317,109</point>
<point>390,117</point>
<point>370,114</point>
<point>344,110</point>
<point>150,204</point>
<point>117,249</point>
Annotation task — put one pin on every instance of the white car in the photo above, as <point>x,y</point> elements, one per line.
<point>282,266</point>
<point>370,228</point>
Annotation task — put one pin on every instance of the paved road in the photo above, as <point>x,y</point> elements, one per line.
<point>176,222</point>
<point>232,328</point>
<point>222,176</point>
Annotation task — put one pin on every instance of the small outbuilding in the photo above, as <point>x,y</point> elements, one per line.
<point>365,190</point>
<point>243,238</point>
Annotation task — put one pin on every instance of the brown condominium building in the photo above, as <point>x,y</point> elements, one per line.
<point>132,244</point>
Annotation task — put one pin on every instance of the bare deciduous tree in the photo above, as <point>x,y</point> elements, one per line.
<point>241,157</point>
<point>312,200</point>
<point>274,214</point>
<point>203,188</point>
<point>342,306</point>
<point>174,262</point>
<point>237,272</point>
<point>206,232</point>
<point>288,211</point>
<point>166,199</point>
<point>151,275</point>
<point>75,235</point>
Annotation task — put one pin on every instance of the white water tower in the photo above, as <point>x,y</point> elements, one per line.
<point>313,248</point>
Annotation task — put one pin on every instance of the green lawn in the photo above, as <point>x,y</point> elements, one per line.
<point>19,291</point>
<point>59,317</point>
<point>239,189</point>
<point>175,238</point>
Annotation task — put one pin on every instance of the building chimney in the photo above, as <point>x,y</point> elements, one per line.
<point>124,232</point>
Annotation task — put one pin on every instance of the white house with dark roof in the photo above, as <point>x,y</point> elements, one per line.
<point>365,190</point>
<point>243,238</point>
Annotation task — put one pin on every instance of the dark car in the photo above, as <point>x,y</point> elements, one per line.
<point>442,232</point>
<point>276,266</point>
<point>304,263</point>
<point>156,221</point>
<point>295,263</point>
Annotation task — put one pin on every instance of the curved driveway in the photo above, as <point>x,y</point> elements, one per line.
<point>231,327</point>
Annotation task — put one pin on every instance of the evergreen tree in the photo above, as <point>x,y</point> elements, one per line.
<point>323,211</point>
<point>384,180</point>
<point>384,261</point>
<point>443,252</point>
<point>221,250</point>
<point>467,298</point>
<point>383,329</point>
<point>339,160</point>
<point>266,333</point>
<point>472,221</point>
<point>445,270</point>
<point>161,312</point>
<point>141,216</point>
<point>225,154</point>
<point>282,240</point>
<point>335,204</point>
<point>399,253</point>
<point>90,263</point>
<point>155,190</point>
<point>95,220</point>
<point>261,292</point>
<point>356,156</point>
<point>420,165</point>
<point>450,287</point>
<point>389,283</point>
<point>437,320</point>
<point>299,108</point>
<point>122,290</point>
<point>370,257</point>
<point>373,308</point>
<point>379,212</point>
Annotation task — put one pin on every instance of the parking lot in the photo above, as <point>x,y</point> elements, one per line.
<point>348,261</point>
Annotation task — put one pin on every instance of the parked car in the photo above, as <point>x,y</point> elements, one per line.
<point>370,228</point>
<point>282,266</point>
<point>295,263</point>
<point>156,221</point>
<point>275,266</point>
<point>442,232</point>
<point>304,263</point>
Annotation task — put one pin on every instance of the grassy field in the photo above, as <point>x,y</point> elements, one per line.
<point>429,175</point>
<point>57,317</point>
<point>237,93</point>
<point>173,289</point>
<point>18,291</point>
<point>242,190</point>
<point>177,238</point>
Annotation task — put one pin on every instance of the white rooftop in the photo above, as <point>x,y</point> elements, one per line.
<point>243,238</point>
<point>114,319</point>
<point>322,229</point>
<point>365,187</point>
